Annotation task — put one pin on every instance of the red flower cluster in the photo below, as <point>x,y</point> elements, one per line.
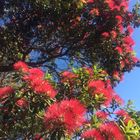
<point>105,34</point>
<point>88,70</point>
<point>99,87</point>
<point>128,41</point>
<point>94,11</point>
<point>38,137</point>
<point>111,131</point>
<point>119,19</point>
<point>21,66</point>
<point>116,75</point>
<point>101,114</point>
<point>68,76</point>
<point>112,34</point>
<point>117,4</point>
<point>22,103</point>
<point>92,134</point>
<point>122,113</point>
<point>35,78</point>
<point>4,91</point>
<point>107,131</point>
<point>130,30</point>
<point>119,49</point>
<point>118,99</point>
<point>68,114</point>
<point>120,35</point>
<point>90,1</point>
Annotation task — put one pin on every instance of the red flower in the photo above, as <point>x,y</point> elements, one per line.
<point>90,1</point>
<point>44,87</point>
<point>35,78</point>
<point>129,41</point>
<point>4,91</point>
<point>84,1</point>
<point>110,3</point>
<point>101,114</point>
<point>22,103</point>
<point>105,34</point>
<point>97,84</point>
<point>36,72</point>
<point>113,34</point>
<point>89,70</point>
<point>130,30</point>
<point>121,113</point>
<point>119,49</point>
<point>135,59</point>
<point>111,131</point>
<point>21,66</point>
<point>107,93</point>
<point>38,137</point>
<point>68,75</point>
<point>117,5</point>
<point>98,87</point>
<point>116,75</point>
<point>118,99</point>
<point>94,11</point>
<point>122,64</point>
<point>119,19</point>
<point>92,134</point>
<point>68,114</point>
<point>128,49</point>
<point>121,28</point>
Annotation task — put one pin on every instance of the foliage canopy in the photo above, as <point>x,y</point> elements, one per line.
<point>83,47</point>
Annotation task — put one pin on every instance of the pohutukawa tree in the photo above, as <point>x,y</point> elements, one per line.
<point>59,63</point>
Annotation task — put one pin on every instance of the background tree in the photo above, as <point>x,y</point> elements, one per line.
<point>73,30</point>
<point>92,38</point>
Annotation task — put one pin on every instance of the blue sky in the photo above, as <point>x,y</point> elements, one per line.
<point>129,87</point>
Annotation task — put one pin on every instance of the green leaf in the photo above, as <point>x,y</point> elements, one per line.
<point>20,55</point>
